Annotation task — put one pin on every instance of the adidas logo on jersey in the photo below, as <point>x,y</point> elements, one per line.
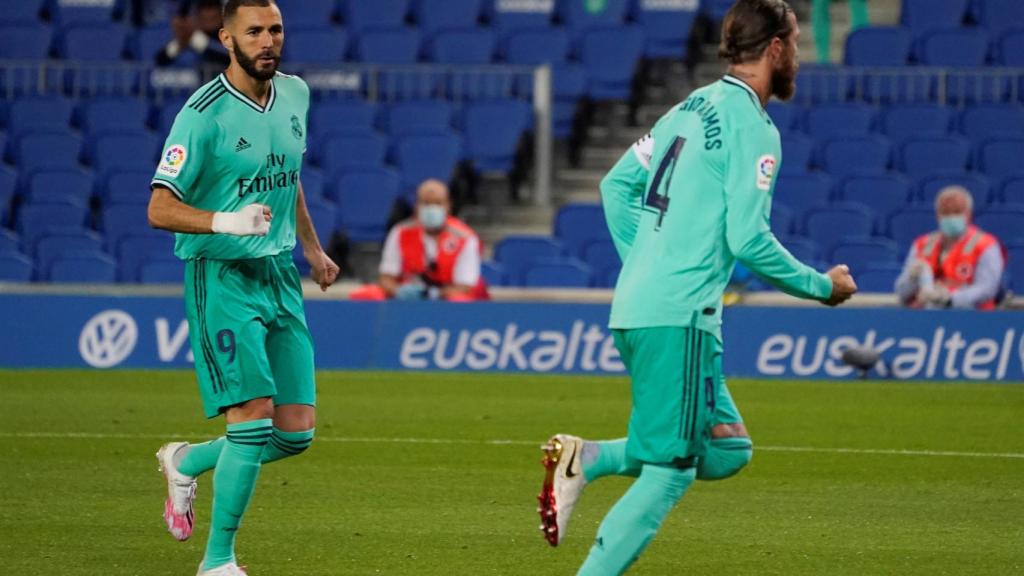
<point>242,145</point>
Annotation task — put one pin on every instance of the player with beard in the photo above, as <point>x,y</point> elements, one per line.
<point>683,205</point>
<point>229,186</point>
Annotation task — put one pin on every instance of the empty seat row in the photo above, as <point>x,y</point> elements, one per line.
<point>953,47</point>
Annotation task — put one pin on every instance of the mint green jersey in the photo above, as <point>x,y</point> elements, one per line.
<point>225,152</point>
<point>688,201</point>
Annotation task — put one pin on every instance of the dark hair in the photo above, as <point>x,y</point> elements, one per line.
<point>231,6</point>
<point>749,26</point>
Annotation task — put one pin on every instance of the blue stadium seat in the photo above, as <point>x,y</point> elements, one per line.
<point>324,215</point>
<point>830,120</point>
<point>984,121</point>
<point>149,41</point>
<point>784,115</point>
<point>365,199</point>
<point>666,27</point>
<point>72,186</point>
<point>21,12</point>
<point>955,47</point>
<point>162,271</point>
<point>15,267</point>
<point>81,268</point>
<point>493,273</point>
<point>48,151</point>
<point>558,273</point>
<point>493,130</point>
<point>536,47</point>
<point>909,223</point>
<point>610,57</point>
<point>856,155</point>
<point>883,193</point>
<point>819,83</point>
<point>93,43</point>
<point>828,226</point>
<point>36,220</point>
<point>796,154</point>
<point>860,255</point>
<point>903,121</point>
<point>388,46</point>
<point>878,46</point>
<point>134,251</point>
<point>921,15</point>
<point>936,154</point>
<point>306,13</point>
<point>8,184</point>
<point>341,117</point>
<point>1012,192</point>
<point>165,114</point>
<point>69,13</point>
<point>348,152</point>
<point>9,242</point>
<point>423,156</point>
<point>21,42</point>
<point>879,278</point>
<point>1001,157</point>
<point>53,246</point>
<point>999,15</point>
<point>124,151</point>
<point>1014,268</point>
<point>313,182</point>
<point>509,17</point>
<point>801,192</point>
<point>928,187</point>
<point>569,86</point>
<point>121,220</point>
<point>1010,50</point>
<point>360,16</point>
<point>320,45</point>
<point>516,253</point>
<point>434,16</point>
<point>803,249</point>
<point>424,116</point>
<point>467,46</point>
<point>602,255</point>
<point>607,278</point>
<point>38,113</point>
<point>579,225</point>
<point>782,219</point>
<point>579,16</point>
<point>1006,223</point>
<point>106,114</point>
<point>128,187</point>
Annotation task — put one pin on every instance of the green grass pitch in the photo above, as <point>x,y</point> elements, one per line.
<point>436,474</point>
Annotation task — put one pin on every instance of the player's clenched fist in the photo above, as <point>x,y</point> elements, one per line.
<point>253,220</point>
<point>843,285</point>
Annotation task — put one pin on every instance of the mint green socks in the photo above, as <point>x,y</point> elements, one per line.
<point>634,520</point>
<point>234,481</point>
<point>203,457</point>
<point>608,458</point>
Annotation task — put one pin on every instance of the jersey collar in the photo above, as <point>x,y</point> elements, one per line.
<point>249,101</point>
<point>730,79</point>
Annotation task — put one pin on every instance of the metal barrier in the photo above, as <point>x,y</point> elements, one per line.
<point>374,83</point>
<point>910,84</point>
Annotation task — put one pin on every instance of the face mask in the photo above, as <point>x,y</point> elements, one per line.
<point>432,217</point>
<point>952,226</point>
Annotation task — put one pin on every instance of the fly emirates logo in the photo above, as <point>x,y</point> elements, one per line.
<point>944,355</point>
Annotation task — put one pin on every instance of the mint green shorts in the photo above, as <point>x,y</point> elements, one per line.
<point>247,328</point>
<point>679,392</point>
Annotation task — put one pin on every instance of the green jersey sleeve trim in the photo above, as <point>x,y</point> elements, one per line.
<point>169,185</point>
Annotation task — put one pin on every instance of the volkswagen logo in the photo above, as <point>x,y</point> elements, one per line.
<point>108,338</point>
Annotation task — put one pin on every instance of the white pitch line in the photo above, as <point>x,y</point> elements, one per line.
<point>464,441</point>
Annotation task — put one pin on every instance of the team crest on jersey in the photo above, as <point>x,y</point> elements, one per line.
<point>296,127</point>
<point>173,160</point>
<point>765,172</point>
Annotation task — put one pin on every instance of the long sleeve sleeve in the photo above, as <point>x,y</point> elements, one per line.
<point>622,192</point>
<point>987,278</point>
<point>750,176</point>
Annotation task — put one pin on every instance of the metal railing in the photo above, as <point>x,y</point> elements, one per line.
<point>911,84</point>
<point>374,83</point>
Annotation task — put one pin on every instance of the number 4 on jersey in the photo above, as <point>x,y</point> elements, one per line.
<point>655,200</point>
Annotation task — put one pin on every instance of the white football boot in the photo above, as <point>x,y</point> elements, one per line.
<point>181,491</point>
<point>229,569</point>
<point>563,484</point>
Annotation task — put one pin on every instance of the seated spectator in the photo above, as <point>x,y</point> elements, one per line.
<point>196,41</point>
<point>957,266</point>
<point>432,255</point>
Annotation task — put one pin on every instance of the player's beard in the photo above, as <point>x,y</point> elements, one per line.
<point>784,79</point>
<point>250,67</point>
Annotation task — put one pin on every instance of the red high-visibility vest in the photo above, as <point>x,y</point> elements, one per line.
<point>957,269</point>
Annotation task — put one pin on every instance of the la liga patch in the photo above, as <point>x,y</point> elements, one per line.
<point>173,160</point>
<point>765,172</point>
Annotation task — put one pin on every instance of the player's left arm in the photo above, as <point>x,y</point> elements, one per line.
<point>621,192</point>
<point>323,269</point>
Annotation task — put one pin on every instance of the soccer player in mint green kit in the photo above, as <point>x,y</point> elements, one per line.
<point>686,203</point>
<point>228,184</point>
